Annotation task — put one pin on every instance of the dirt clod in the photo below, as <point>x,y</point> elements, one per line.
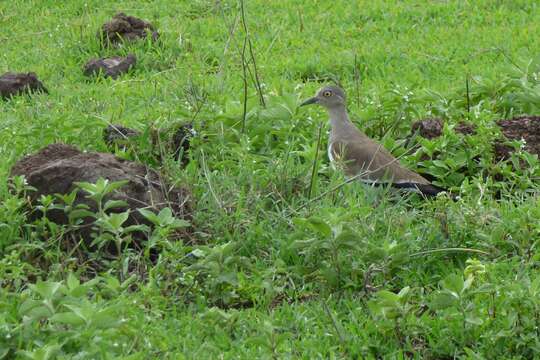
<point>12,84</point>
<point>433,128</point>
<point>118,135</point>
<point>523,127</point>
<point>110,67</point>
<point>465,128</point>
<point>428,128</point>
<point>181,142</point>
<point>171,140</point>
<point>126,28</point>
<point>57,167</point>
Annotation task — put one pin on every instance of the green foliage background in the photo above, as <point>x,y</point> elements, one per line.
<point>272,271</point>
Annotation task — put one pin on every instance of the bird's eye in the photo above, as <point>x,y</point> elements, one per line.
<point>327,93</point>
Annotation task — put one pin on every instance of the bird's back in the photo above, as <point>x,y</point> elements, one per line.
<point>363,156</point>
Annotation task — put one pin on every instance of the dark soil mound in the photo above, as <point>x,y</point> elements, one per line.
<point>432,128</point>
<point>524,127</point>
<point>179,142</point>
<point>126,28</point>
<point>465,128</point>
<point>56,168</point>
<point>428,128</point>
<point>12,84</point>
<point>110,67</point>
<point>118,135</point>
<point>174,140</point>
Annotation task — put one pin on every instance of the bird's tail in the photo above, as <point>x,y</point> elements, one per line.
<point>427,190</point>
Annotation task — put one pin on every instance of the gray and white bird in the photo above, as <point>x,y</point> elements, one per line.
<point>360,156</point>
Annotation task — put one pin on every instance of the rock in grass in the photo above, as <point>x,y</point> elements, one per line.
<point>110,67</point>
<point>126,28</point>
<point>12,84</point>
<point>57,167</point>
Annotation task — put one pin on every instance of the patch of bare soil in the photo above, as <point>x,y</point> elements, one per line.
<point>525,128</point>
<point>432,128</point>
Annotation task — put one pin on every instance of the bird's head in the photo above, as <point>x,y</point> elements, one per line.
<point>328,96</point>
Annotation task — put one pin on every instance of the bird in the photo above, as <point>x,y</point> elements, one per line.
<point>361,157</point>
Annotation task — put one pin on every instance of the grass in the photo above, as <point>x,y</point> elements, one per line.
<point>357,273</point>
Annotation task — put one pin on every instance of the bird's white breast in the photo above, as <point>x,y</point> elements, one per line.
<point>330,156</point>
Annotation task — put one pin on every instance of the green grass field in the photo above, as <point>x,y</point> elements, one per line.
<point>276,268</point>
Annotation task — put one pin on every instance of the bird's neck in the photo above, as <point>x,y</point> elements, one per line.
<point>340,122</point>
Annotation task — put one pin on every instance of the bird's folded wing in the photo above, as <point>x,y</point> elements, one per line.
<point>372,163</point>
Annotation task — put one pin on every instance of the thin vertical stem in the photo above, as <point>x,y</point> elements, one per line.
<point>244,74</point>
<point>468,97</point>
<point>314,168</point>
<point>251,54</point>
<point>357,79</point>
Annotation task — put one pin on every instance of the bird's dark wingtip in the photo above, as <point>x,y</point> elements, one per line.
<point>425,189</point>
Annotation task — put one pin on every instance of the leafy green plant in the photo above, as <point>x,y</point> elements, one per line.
<point>57,318</point>
<point>392,308</point>
<point>13,212</point>
<point>247,280</point>
<point>99,190</point>
<point>330,250</point>
<point>456,296</point>
<point>164,224</point>
<point>218,269</point>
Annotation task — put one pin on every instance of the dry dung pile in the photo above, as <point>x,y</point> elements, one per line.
<point>12,84</point>
<point>57,167</point>
<point>174,140</point>
<point>126,28</point>
<point>110,67</point>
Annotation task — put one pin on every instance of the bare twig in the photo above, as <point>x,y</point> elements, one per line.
<point>443,250</point>
<point>196,97</point>
<point>244,78</point>
<point>356,75</point>
<point>208,180</point>
<point>251,54</point>
<point>314,168</point>
<point>336,325</point>
<point>232,28</point>
<point>468,97</point>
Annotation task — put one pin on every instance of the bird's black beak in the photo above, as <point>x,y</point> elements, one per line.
<point>310,101</point>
